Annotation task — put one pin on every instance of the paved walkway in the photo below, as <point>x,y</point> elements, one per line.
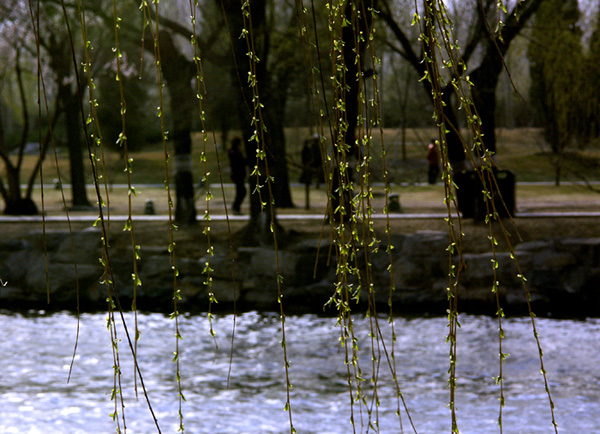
<point>303,217</point>
<point>297,184</point>
<point>429,212</point>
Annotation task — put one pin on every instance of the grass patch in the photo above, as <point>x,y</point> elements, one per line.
<point>519,150</point>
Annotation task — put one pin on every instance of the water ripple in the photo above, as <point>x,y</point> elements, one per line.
<point>37,351</point>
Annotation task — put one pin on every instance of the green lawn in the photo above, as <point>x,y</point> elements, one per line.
<point>520,151</point>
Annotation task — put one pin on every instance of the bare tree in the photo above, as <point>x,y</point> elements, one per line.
<point>18,74</point>
<point>482,52</point>
<point>557,67</point>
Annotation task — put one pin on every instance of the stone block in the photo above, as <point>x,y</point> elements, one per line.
<point>87,245</point>
<point>194,290</point>
<point>409,274</point>
<point>262,261</point>
<point>479,271</point>
<point>553,260</point>
<point>425,243</point>
<point>221,265</point>
<point>585,250</point>
<point>225,291</point>
<point>260,293</point>
<point>17,265</point>
<point>308,269</point>
<point>62,280</point>
<point>535,246</point>
<point>53,239</point>
<point>547,280</point>
<point>156,266</point>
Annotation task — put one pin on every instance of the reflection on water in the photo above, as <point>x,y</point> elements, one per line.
<point>36,353</point>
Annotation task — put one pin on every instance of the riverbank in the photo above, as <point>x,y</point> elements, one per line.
<point>560,257</point>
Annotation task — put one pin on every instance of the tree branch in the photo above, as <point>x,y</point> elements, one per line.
<point>409,53</point>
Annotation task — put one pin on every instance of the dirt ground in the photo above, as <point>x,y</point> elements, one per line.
<point>191,240</point>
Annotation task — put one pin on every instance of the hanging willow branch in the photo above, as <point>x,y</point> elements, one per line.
<point>347,112</point>
<point>441,52</point>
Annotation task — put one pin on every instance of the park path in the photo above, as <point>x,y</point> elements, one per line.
<point>414,206</point>
<point>293,216</point>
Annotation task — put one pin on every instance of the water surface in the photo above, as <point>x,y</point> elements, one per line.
<point>37,349</point>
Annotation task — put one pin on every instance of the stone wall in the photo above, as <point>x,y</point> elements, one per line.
<point>563,276</point>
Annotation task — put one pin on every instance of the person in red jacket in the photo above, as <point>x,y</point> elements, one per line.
<point>433,160</point>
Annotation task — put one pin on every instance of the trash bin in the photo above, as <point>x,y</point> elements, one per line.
<point>394,202</point>
<point>506,184</point>
<point>470,199</point>
<point>465,192</point>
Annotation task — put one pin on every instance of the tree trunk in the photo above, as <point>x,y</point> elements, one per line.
<point>262,218</point>
<point>454,141</point>
<point>14,203</point>
<point>485,80</point>
<point>485,77</point>
<point>20,206</point>
<point>353,79</point>
<point>11,192</point>
<point>58,48</point>
<point>178,73</point>
<point>72,124</point>
<point>276,146</point>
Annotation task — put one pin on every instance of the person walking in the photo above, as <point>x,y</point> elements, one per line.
<point>237,164</point>
<point>433,160</point>
<point>307,169</point>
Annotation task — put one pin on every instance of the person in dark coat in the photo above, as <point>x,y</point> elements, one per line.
<point>317,162</point>
<point>307,163</point>
<point>237,164</point>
